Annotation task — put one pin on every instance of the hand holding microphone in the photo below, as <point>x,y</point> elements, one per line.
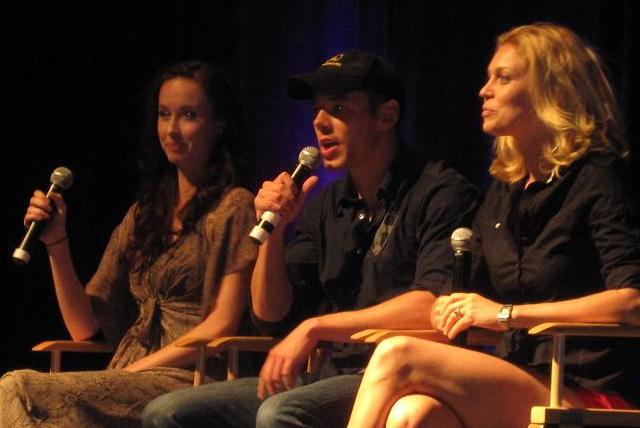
<point>40,211</point>
<point>461,243</point>
<point>278,195</point>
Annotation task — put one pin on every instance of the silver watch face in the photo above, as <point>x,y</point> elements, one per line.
<point>504,314</point>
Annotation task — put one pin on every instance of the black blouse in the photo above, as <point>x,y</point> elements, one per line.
<point>573,236</point>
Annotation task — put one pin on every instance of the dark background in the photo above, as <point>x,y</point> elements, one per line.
<point>73,76</point>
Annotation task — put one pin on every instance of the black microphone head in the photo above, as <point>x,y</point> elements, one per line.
<point>462,239</point>
<point>62,177</point>
<point>309,157</point>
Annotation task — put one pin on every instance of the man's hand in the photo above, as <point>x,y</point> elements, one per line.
<point>283,197</point>
<point>286,359</point>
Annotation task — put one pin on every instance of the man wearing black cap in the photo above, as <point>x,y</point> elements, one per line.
<point>371,251</point>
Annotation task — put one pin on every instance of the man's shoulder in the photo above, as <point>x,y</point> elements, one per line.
<point>438,174</point>
<point>440,187</point>
<point>435,168</point>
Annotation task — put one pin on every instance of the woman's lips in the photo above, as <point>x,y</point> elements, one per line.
<point>174,147</point>
<point>487,112</point>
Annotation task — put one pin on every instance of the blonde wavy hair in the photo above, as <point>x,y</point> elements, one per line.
<point>570,93</point>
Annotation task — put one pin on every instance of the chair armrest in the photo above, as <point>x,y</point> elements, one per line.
<point>375,335</point>
<point>230,344</point>
<point>221,344</point>
<point>475,337</point>
<point>72,346</point>
<point>585,329</point>
<point>56,347</point>
<point>244,343</point>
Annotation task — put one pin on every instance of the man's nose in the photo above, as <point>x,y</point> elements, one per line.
<point>321,121</point>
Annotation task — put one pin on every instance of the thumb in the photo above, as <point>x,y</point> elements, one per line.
<point>61,205</point>
<point>309,184</point>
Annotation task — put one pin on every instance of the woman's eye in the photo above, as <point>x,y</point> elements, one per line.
<point>163,113</point>
<point>338,108</point>
<point>504,79</point>
<point>190,114</point>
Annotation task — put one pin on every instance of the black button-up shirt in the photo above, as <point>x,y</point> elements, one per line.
<point>343,257</point>
<point>573,236</point>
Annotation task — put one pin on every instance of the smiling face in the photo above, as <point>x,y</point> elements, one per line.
<point>506,107</point>
<point>345,128</point>
<point>186,125</point>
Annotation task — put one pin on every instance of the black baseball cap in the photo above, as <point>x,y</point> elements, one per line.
<point>353,70</point>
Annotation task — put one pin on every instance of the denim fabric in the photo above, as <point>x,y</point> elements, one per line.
<point>234,404</point>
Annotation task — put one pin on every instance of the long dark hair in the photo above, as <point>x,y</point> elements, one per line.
<point>159,190</point>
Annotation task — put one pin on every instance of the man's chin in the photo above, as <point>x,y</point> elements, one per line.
<point>333,165</point>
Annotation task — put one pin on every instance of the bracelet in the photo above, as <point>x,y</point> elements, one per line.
<point>56,242</point>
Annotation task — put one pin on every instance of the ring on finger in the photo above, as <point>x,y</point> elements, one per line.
<point>458,312</point>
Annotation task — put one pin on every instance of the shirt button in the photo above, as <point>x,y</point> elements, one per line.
<point>497,226</point>
<point>361,216</point>
<point>359,251</point>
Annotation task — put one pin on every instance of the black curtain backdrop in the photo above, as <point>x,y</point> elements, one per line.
<point>74,74</point>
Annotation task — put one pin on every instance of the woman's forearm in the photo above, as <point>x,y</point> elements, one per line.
<point>74,303</point>
<point>224,320</point>
<point>611,306</point>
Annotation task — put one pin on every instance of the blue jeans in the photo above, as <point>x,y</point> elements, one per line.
<point>234,404</point>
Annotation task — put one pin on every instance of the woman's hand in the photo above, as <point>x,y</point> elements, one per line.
<point>457,312</point>
<point>41,208</point>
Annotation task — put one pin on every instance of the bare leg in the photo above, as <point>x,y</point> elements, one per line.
<point>468,382</point>
<point>421,411</point>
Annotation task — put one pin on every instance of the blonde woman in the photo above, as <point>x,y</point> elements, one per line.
<point>558,241</point>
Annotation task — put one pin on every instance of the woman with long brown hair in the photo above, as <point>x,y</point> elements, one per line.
<point>178,263</point>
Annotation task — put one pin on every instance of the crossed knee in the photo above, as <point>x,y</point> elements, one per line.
<point>391,356</point>
<point>414,411</point>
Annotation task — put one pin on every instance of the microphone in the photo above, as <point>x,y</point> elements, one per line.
<point>61,179</point>
<point>461,242</point>
<point>308,159</point>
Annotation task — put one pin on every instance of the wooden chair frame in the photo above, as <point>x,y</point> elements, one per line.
<point>57,347</point>
<point>232,345</point>
<point>554,415</point>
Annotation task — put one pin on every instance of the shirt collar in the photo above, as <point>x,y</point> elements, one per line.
<point>402,167</point>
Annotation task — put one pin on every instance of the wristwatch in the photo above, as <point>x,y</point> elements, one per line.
<point>504,315</point>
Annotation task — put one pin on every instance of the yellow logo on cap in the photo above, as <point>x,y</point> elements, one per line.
<point>335,61</point>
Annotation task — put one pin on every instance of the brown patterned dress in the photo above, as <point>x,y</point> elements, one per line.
<point>140,312</point>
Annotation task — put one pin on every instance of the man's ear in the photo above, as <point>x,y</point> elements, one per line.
<point>388,114</point>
